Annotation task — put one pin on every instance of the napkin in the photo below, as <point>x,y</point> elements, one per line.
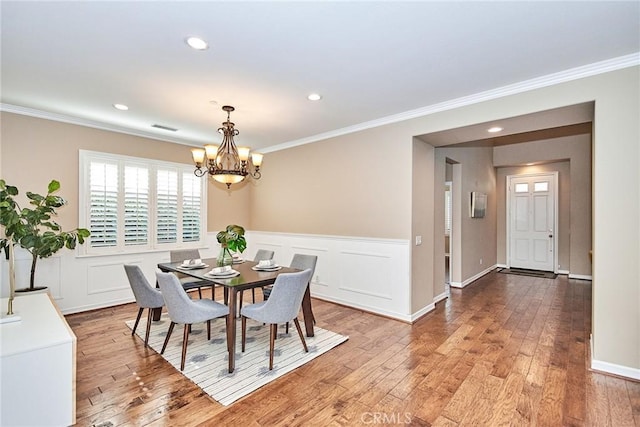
<point>196,261</point>
<point>266,263</point>
<point>219,270</point>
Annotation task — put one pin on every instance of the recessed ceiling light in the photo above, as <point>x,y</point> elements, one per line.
<point>120,107</point>
<point>197,43</point>
<point>494,129</point>
<point>314,97</point>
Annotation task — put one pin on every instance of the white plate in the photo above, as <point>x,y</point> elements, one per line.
<point>225,275</point>
<point>238,260</point>
<point>193,267</point>
<point>272,268</point>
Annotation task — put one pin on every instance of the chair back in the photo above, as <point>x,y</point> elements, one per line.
<point>175,297</point>
<point>302,262</point>
<point>286,297</point>
<point>146,296</point>
<point>183,254</point>
<point>263,254</point>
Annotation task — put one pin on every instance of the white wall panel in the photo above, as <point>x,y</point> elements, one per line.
<point>371,274</point>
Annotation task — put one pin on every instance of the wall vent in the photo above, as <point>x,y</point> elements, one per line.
<point>164,128</point>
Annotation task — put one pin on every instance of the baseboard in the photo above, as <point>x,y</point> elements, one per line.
<point>90,307</point>
<point>501,266</point>
<point>441,297</point>
<point>563,272</point>
<point>362,307</point>
<point>423,312</point>
<point>473,278</point>
<point>618,370</point>
<point>580,276</point>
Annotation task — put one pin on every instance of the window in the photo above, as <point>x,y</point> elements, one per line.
<point>134,205</point>
<point>540,186</point>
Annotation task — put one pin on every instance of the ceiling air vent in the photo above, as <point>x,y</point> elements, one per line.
<point>164,128</point>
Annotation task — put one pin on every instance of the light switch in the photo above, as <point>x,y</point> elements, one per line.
<point>418,240</point>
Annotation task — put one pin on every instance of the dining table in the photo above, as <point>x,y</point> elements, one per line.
<point>248,278</point>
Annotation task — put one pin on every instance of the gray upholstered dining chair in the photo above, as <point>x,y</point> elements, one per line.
<point>185,311</point>
<point>283,306</point>
<point>146,297</point>
<point>187,282</point>
<point>262,254</point>
<point>299,262</point>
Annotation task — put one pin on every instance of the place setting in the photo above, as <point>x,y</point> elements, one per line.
<point>266,265</point>
<point>225,272</point>
<point>193,264</point>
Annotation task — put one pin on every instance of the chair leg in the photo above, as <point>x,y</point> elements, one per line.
<point>304,343</point>
<point>185,340</point>
<point>226,327</point>
<point>200,292</point>
<point>244,331</point>
<point>166,340</point>
<point>253,295</point>
<point>286,328</point>
<point>272,336</point>
<point>209,330</point>
<point>213,293</point>
<point>149,319</point>
<point>135,325</point>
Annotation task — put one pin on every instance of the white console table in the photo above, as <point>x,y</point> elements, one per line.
<point>37,365</point>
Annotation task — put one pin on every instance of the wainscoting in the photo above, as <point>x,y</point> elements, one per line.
<point>371,274</point>
<point>365,273</point>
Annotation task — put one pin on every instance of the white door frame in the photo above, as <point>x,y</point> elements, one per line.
<point>555,214</point>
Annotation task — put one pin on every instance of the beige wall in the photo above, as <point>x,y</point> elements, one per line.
<point>478,235</point>
<point>422,224</point>
<point>35,151</point>
<point>355,185</point>
<point>577,150</point>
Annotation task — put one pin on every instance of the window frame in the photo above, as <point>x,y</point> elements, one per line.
<point>86,158</point>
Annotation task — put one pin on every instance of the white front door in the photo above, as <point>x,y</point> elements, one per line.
<point>531,221</point>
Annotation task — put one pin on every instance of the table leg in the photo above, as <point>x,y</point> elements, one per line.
<point>231,329</point>
<point>308,314</point>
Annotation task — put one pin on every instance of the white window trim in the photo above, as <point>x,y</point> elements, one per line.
<point>85,158</point>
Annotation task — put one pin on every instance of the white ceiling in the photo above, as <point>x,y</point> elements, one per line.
<point>369,60</point>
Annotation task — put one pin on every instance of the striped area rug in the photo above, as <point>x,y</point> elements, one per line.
<point>207,363</point>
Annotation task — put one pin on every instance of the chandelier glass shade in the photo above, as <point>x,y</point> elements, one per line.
<point>227,163</point>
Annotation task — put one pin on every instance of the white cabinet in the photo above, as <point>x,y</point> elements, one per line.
<point>37,365</point>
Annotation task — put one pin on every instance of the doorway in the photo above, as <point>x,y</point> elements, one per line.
<point>532,221</point>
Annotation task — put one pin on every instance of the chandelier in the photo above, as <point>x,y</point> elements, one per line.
<point>227,163</point>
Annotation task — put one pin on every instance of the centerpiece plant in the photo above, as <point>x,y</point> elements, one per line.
<point>32,228</point>
<point>231,239</point>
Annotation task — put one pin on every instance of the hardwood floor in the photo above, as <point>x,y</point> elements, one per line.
<point>506,350</point>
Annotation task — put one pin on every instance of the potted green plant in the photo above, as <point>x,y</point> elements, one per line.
<point>32,228</point>
<point>231,240</point>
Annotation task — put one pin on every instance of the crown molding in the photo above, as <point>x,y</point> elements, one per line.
<point>64,118</point>
<point>576,73</point>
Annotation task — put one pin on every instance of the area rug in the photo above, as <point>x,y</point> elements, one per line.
<point>531,273</point>
<point>207,363</point>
